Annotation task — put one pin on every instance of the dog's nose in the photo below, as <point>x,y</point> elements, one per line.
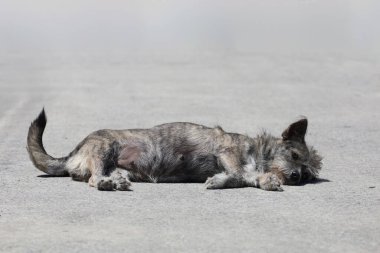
<point>295,176</point>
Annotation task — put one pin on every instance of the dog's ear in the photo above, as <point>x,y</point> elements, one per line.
<point>296,131</point>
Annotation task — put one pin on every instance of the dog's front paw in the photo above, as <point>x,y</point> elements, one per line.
<point>211,183</point>
<point>269,182</point>
<point>216,182</point>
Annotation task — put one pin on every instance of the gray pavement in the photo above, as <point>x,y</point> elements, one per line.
<point>243,92</point>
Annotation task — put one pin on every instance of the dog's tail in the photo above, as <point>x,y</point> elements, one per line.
<point>37,153</point>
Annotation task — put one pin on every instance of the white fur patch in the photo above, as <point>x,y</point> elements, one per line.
<point>251,165</point>
<point>250,172</point>
<point>78,165</point>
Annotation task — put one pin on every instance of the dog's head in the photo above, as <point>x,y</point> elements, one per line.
<point>295,162</point>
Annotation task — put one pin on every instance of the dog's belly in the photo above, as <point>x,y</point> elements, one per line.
<point>178,152</point>
<point>193,168</point>
<point>168,165</point>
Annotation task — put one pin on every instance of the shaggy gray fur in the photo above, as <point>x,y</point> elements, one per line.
<point>182,152</point>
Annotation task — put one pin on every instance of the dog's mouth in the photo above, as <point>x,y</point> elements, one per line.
<point>290,182</point>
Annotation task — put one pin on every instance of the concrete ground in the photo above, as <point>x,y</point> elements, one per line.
<point>243,92</point>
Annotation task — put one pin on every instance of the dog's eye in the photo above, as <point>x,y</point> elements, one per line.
<point>295,156</point>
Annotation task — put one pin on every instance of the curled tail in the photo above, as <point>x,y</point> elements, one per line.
<point>37,153</point>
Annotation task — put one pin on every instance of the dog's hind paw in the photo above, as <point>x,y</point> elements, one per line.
<point>116,181</point>
<point>122,185</point>
<point>110,185</point>
<point>120,180</point>
<point>105,185</point>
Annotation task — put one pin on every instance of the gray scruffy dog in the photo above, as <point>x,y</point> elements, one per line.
<point>182,152</point>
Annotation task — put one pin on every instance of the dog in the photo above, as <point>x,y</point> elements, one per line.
<point>182,152</point>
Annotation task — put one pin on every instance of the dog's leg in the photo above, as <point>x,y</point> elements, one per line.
<point>107,179</point>
<point>233,175</point>
<point>267,181</point>
<point>224,180</point>
<point>236,175</point>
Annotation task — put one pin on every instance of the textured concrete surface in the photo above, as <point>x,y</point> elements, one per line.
<point>243,92</point>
